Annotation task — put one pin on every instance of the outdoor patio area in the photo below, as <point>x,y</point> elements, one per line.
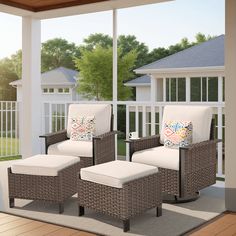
<point>157,161</point>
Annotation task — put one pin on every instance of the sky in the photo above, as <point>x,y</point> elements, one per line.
<point>156,25</point>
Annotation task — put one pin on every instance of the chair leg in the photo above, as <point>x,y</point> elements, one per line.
<point>159,211</point>
<point>11,202</point>
<point>80,210</point>
<point>126,225</point>
<point>61,208</point>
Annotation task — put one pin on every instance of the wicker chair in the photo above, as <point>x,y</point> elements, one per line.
<point>195,165</point>
<point>102,147</point>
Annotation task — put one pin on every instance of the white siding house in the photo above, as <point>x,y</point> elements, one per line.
<point>59,84</point>
<point>195,74</point>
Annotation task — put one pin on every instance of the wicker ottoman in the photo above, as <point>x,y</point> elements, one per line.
<point>44,177</point>
<point>120,189</point>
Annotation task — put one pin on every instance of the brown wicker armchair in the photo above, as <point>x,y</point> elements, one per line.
<point>102,147</point>
<point>196,162</point>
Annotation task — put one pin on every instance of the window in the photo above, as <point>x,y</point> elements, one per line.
<point>64,90</point>
<point>175,89</point>
<point>48,90</point>
<point>204,89</point>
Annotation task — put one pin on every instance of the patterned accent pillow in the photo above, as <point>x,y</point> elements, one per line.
<point>178,134</point>
<point>82,128</point>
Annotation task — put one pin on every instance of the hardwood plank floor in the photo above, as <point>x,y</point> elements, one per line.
<point>224,225</point>
<point>13,226</point>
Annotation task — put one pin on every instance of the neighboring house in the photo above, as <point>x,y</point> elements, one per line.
<point>59,84</point>
<point>194,74</point>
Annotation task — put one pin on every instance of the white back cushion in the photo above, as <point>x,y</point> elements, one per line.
<point>200,116</point>
<point>101,112</point>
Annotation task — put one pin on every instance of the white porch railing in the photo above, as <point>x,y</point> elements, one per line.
<point>143,117</point>
<point>9,129</point>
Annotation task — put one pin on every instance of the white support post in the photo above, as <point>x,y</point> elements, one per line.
<point>127,132</point>
<point>137,119</point>
<point>115,73</point>
<point>153,100</point>
<point>230,82</point>
<point>144,121</point>
<point>31,87</point>
<point>188,89</point>
<point>164,90</point>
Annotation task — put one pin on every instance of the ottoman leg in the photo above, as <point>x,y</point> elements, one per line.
<point>61,208</point>
<point>126,225</point>
<point>159,211</point>
<point>11,202</point>
<point>80,210</point>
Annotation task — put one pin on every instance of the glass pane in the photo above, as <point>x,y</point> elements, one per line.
<point>167,89</point>
<point>181,89</point>
<point>173,89</point>
<point>204,89</point>
<point>45,90</point>
<point>212,89</point>
<point>223,88</point>
<point>196,89</point>
<point>66,90</point>
<point>60,90</point>
<point>51,90</point>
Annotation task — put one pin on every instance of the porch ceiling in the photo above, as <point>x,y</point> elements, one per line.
<point>42,5</point>
<point>42,9</point>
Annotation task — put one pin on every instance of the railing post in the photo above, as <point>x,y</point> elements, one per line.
<point>144,121</point>
<point>115,72</point>
<point>127,131</point>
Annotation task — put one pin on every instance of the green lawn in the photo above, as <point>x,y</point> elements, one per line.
<point>121,147</point>
<point>5,149</point>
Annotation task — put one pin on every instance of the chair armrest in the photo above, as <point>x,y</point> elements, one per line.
<point>53,138</point>
<point>104,148</point>
<point>142,144</point>
<point>102,136</point>
<point>201,144</point>
<point>198,155</point>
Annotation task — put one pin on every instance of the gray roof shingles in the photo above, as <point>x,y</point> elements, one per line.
<point>145,79</point>
<point>58,76</point>
<point>207,54</point>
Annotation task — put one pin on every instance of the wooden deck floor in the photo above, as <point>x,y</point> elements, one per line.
<point>13,225</point>
<point>225,225</point>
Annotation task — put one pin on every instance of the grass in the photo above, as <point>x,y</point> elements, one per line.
<point>9,149</point>
<point>121,147</point>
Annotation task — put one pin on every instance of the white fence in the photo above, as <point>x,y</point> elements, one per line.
<point>145,118</point>
<point>9,129</point>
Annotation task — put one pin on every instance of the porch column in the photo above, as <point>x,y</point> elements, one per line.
<point>230,83</point>
<point>115,71</point>
<point>31,87</point>
<point>188,89</point>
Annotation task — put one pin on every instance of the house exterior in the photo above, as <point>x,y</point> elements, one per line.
<point>195,74</point>
<point>59,84</point>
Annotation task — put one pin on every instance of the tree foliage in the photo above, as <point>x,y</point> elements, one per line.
<point>95,68</point>
<point>7,93</point>
<point>58,52</point>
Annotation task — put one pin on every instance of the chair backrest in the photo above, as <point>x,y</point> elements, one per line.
<point>200,116</point>
<point>101,112</point>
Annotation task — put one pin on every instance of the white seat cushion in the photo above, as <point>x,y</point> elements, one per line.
<point>46,165</point>
<point>72,148</point>
<point>159,156</point>
<point>101,112</point>
<point>200,116</point>
<point>116,173</point>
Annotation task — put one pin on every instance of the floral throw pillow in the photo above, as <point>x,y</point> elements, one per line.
<point>178,133</point>
<point>82,128</point>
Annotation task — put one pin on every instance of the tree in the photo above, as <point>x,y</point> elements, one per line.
<point>95,68</point>
<point>58,52</point>
<point>130,43</point>
<point>94,40</point>
<point>7,93</point>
